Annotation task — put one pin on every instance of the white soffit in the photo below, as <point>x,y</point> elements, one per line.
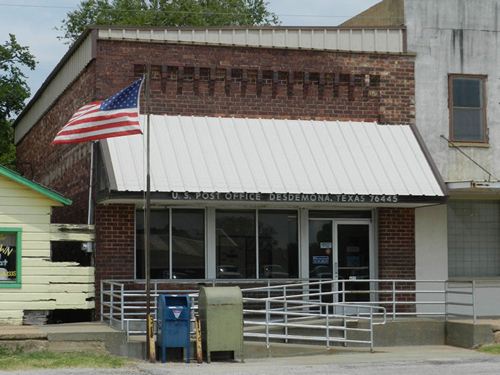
<point>195,154</point>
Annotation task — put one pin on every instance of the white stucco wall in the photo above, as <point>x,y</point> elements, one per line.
<point>431,253</point>
<point>455,36</point>
<point>431,263</point>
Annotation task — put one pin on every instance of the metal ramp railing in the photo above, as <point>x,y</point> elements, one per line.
<point>286,306</point>
<point>290,320</point>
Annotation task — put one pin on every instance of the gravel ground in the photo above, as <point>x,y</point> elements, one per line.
<point>440,360</point>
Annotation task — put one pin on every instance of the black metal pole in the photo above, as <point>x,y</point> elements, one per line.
<point>150,344</point>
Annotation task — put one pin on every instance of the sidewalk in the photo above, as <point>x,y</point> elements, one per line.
<point>408,360</point>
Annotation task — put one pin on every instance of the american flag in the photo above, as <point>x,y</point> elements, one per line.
<point>116,116</point>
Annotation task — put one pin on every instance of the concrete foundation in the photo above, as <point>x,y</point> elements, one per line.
<point>467,335</point>
<point>406,333</point>
<point>73,337</point>
<point>97,337</point>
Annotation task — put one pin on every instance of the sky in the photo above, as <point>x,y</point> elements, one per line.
<point>34,23</point>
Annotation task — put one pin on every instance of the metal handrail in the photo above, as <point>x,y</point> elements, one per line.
<point>124,300</point>
<point>284,321</point>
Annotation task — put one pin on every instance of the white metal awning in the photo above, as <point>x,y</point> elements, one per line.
<point>266,156</point>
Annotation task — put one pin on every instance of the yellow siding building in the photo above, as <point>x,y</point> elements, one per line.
<point>29,280</point>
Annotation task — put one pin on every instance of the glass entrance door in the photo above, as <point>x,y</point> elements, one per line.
<point>340,250</point>
<point>353,246</point>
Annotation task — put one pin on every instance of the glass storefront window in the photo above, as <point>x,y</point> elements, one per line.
<point>278,244</point>
<point>159,244</point>
<point>188,244</point>
<point>235,244</point>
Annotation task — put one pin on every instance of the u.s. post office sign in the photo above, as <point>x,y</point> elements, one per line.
<point>283,197</point>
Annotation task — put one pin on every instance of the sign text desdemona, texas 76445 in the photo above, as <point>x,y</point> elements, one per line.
<point>284,197</point>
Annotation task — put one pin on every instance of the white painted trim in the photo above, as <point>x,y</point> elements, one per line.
<point>303,243</point>
<point>210,244</point>
<point>461,185</point>
<point>374,229</point>
<point>170,243</point>
<point>257,275</point>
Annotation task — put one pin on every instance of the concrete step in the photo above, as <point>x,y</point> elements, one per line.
<point>21,333</point>
<point>69,337</point>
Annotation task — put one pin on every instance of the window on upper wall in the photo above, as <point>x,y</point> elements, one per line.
<point>467,103</point>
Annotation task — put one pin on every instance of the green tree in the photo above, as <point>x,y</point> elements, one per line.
<point>174,13</point>
<point>13,92</point>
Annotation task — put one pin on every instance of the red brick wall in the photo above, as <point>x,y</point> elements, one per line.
<point>396,243</point>
<point>64,168</point>
<point>396,252</point>
<point>260,82</point>
<point>218,81</point>
<point>115,236</point>
<point>222,81</point>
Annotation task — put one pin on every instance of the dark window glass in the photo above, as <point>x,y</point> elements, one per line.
<point>466,93</point>
<point>467,125</point>
<point>467,112</point>
<point>188,244</point>
<point>235,244</point>
<point>278,244</point>
<point>159,244</point>
<point>354,258</point>
<point>320,249</point>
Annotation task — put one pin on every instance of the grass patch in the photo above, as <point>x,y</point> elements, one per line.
<point>490,349</point>
<point>17,359</point>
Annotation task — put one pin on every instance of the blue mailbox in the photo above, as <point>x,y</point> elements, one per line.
<point>173,324</point>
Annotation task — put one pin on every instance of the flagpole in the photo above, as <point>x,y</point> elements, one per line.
<point>150,344</point>
<point>89,214</point>
<point>89,246</point>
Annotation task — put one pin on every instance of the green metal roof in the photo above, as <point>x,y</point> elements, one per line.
<point>16,177</point>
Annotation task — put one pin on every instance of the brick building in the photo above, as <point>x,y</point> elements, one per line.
<point>277,152</point>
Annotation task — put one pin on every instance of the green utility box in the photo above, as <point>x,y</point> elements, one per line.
<point>221,316</point>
